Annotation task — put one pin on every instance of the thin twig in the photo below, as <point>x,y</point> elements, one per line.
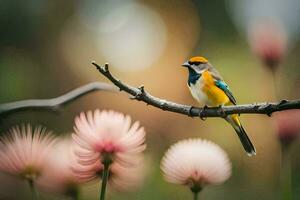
<point>54,104</point>
<point>140,94</point>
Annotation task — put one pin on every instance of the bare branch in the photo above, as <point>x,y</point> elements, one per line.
<point>141,94</point>
<point>54,104</point>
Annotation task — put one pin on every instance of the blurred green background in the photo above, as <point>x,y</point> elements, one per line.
<point>47,47</point>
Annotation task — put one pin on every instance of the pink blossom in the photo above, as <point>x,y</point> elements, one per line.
<point>269,42</point>
<point>124,178</point>
<point>58,175</point>
<point>24,151</point>
<point>195,163</point>
<point>121,178</point>
<point>288,125</point>
<point>105,136</point>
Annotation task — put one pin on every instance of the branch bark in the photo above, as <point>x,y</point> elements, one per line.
<point>140,94</point>
<point>54,104</point>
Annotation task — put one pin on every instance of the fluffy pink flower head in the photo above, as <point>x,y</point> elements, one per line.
<point>24,151</point>
<point>269,42</point>
<point>288,125</point>
<point>58,175</point>
<point>121,177</point>
<point>125,178</point>
<point>195,163</point>
<point>103,138</point>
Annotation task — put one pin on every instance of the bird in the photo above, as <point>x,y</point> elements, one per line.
<point>208,87</point>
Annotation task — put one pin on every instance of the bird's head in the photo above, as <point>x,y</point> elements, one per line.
<point>197,64</point>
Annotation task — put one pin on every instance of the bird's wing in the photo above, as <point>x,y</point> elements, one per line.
<point>223,86</point>
<point>220,83</point>
<point>214,72</point>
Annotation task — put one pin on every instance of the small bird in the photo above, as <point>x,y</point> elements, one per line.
<point>208,87</point>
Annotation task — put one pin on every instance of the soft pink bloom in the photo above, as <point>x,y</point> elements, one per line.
<point>58,175</point>
<point>269,42</point>
<point>125,178</point>
<point>121,177</point>
<point>288,125</point>
<point>195,163</point>
<point>24,151</point>
<point>103,137</point>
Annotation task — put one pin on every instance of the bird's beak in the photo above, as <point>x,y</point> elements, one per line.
<point>186,64</point>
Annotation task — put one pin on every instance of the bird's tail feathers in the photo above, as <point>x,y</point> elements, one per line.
<point>246,142</point>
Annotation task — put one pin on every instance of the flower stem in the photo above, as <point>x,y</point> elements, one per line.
<point>196,195</point>
<point>33,189</point>
<point>275,84</point>
<point>196,188</point>
<point>74,197</point>
<point>104,180</point>
<point>286,174</point>
<point>73,193</point>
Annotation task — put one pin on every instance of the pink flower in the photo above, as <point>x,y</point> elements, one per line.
<point>58,175</point>
<point>105,137</point>
<point>124,178</point>
<point>195,163</point>
<point>24,151</point>
<point>121,178</point>
<point>288,125</point>
<point>269,42</point>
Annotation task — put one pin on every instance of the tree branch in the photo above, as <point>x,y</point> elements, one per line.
<point>140,94</point>
<point>54,104</point>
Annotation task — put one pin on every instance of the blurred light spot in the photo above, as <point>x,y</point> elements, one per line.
<point>113,21</point>
<point>132,37</point>
<point>96,12</point>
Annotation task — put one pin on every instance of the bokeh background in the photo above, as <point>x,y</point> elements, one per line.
<point>46,49</point>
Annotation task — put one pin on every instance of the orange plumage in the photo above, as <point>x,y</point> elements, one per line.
<point>215,95</point>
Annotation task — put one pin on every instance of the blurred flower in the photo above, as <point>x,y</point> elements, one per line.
<point>285,13</point>
<point>288,125</point>
<point>195,163</point>
<point>121,177</point>
<point>24,151</point>
<point>272,26</point>
<point>106,137</point>
<point>124,178</point>
<point>288,129</point>
<point>58,175</point>
<point>269,42</point>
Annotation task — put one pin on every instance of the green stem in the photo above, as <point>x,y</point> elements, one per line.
<point>196,195</point>
<point>73,193</point>
<point>104,181</point>
<point>275,85</point>
<point>33,190</point>
<point>196,188</point>
<point>74,197</point>
<point>286,174</point>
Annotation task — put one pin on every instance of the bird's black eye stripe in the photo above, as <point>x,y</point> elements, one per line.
<point>194,63</point>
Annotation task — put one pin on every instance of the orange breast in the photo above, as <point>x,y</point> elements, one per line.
<point>215,95</point>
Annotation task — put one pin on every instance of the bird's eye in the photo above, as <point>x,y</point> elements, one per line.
<point>194,63</point>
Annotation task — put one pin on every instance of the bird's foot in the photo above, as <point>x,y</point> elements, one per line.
<point>202,113</point>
